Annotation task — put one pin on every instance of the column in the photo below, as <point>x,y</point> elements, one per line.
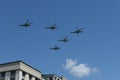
<point>33,78</point>
<point>7,75</point>
<point>42,79</point>
<point>18,75</point>
<point>26,76</point>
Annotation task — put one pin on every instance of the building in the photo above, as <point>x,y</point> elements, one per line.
<point>53,77</point>
<point>19,70</point>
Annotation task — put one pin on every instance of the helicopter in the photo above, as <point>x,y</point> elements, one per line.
<point>55,48</point>
<point>65,39</point>
<point>26,24</point>
<point>77,31</point>
<point>52,27</point>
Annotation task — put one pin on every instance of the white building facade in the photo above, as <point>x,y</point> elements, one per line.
<point>19,70</point>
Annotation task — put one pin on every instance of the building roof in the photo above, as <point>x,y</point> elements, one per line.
<point>50,75</point>
<point>19,61</point>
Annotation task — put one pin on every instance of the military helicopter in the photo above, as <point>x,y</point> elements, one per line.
<point>77,31</point>
<point>55,48</point>
<point>26,24</point>
<point>52,27</point>
<point>65,39</point>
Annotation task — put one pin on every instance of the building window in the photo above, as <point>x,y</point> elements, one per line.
<point>51,78</point>
<point>2,76</point>
<point>12,74</point>
<point>46,78</point>
<point>23,74</point>
<point>30,77</point>
<point>12,78</point>
<point>55,78</point>
<point>37,79</point>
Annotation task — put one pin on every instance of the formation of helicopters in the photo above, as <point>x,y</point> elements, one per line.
<point>54,27</point>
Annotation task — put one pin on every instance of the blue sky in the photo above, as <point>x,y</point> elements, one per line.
<point>93,54</point>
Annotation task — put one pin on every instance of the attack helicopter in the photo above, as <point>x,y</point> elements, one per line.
<point>26,24</point>
<point>65,39</point>
<point>77,31</point>
<point>55,48</point>
<point>52,27</point>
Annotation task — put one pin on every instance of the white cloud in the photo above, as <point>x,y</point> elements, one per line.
<point>80,70</point>
<point>95,71</point>
<point>69,64</point>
